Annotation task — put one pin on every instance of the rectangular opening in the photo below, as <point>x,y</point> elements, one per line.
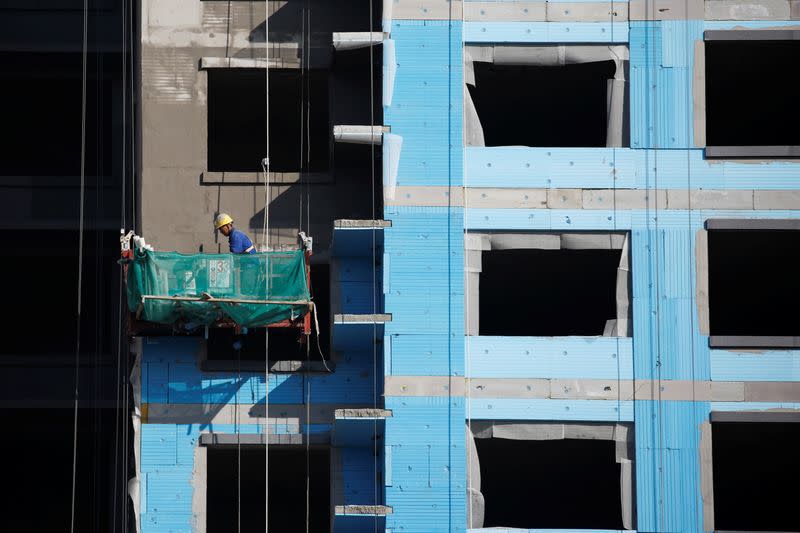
<point>755,469</point>
<point>41,447</point>
<point>42,271</point>
<point>46,85</point>
<point>560,106</point>
<point>753,285</point>
<point>563,292</point>
<point>285,344</point>
<point>574,483</point>
<point>237,120</point>
<point>236,481</point>
<point>751,97</point>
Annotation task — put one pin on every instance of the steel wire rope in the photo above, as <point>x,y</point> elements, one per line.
<point>374,286</point>
<point>120,301</point>
<point>265,165</point>
<point>655,251</point>
<point>690,230</point>
<point>76,394</point>
<point>305,430</point>
<point>467,304</point>
<point>134,191</point>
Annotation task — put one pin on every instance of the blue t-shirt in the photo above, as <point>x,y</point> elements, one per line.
<point>240,242</point>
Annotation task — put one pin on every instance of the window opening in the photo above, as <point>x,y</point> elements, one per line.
<point>574,483</point>
<point>287,489</point>
<point>755,466</point>
<point>753,283</point>
<point>527,105</point>
<point>751,99</point>
<point>547,292</point>
<point>237,118</point>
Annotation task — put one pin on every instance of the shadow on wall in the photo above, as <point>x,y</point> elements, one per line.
<point>315,207</point>
<point>321,19</point>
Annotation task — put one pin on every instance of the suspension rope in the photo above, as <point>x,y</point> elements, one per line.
<point>120,300</point>
<point>374,263</point>
<point>238,439</point>
<point>85,46</point>
<point>265,240</point>
<point>689,302</point>
<point>304,128</point>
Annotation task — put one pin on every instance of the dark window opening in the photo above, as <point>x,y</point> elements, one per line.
<point>37,88</point>
<point>299,129</point>
<point>756,466</point>
<point>41,448</point>
<point>227,491</point>
<point>565,292</point>
<point>574,484</point>
<point>753,284</point>
<point>285,344</point>
<point>45,263</point>
<point>543,106</point>
<point>751,98</point>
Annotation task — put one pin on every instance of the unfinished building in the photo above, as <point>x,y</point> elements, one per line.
<point>540,232</point>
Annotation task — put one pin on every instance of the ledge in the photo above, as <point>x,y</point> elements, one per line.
<point>755,416</point>
<point>247,62</point>
<point>747,341</point>
<point>362,414</point>
<point>752,224</point>
<point>351,40</point>
<point>361,224</point>
<point>363,510</point>
<point>762,152</point>
<point>752,35</point>
<point>377,318</point>
<point>358,134</point>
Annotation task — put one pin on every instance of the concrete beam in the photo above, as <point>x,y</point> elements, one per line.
<point>747,10</point>
<point>427,10</point>
<point>247,62</point>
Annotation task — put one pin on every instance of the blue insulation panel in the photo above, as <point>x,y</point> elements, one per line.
<point>550,357</point>
<point>549,409</point>
<point>426,106</point>
<point>771,365</point>
<point>620,168</point>
<point>668,465</point>
<point>428,464</point>
<point>360,470</point>
<point>183,383</point>
<point>424,355</point>
<point>546,32</point>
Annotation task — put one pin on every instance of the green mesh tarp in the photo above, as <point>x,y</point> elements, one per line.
<point>274,282</point>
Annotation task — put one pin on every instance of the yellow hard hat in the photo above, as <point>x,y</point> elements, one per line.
<point>221,220</point>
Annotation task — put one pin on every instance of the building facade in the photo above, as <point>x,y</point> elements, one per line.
<point>554,258</point>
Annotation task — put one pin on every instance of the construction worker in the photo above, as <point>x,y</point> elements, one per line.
<point>239,242</point>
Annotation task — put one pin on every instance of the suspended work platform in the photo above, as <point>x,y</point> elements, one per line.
<point>187,291</point>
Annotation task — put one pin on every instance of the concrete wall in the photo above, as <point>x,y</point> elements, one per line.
<point>179,197</point>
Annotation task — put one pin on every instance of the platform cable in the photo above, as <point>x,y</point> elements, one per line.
<point>374,287</point>
<point>692,289</point>
<point>129,7</point>
<point>656,251</point>
<point>265,246</point>
<point>76,395</point>
<point>120,382</point>
<point>468,337</point>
